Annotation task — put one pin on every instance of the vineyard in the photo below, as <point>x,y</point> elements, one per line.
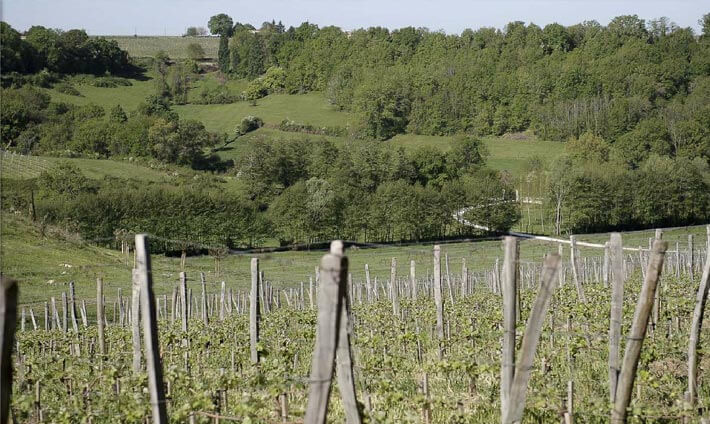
<point>420,347</point>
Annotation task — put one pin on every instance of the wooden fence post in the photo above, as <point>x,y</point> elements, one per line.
<point>72,307</point>
<point>135,320</point>
<point>254,314</point>
<point>575,269</point>
<point>605,266</point>
<point>637,333</point>
<point>331,304</point>
<point>8,322</point>
<point>438,295</point>
<point>691,256</point>
<point>100,315</point>
<point>413,279</point>
<point>394,295</point>
<point>346,377</point>
<point>150,331</point>
<point>203,304</point>
<point>531,338</point>
<point>509,289</point>
<point>695,328</point>
<point>183,306</point>
<point>617,301</point>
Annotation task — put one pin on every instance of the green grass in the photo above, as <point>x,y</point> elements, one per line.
<point>128,97</point>
<point>311,108</point>
<point>175,47</point>
<point>505,154</point>
<point>34,259</point>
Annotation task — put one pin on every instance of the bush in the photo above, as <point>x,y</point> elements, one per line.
<point>217,95</point>
<point>111,82</point>
<point>249,124</point>
<point>292,126</point>
<point>66,88</point>
<point>195,51</point>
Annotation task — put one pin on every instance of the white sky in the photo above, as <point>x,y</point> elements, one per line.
<point>171,17</point>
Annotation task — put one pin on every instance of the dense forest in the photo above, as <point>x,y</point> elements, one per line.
<point>631,101</point>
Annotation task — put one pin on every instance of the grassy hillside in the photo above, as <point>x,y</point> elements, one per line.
<point>309,108</point>
<point>128,97</point>
<point>35,259</point>
<point>175,47</point>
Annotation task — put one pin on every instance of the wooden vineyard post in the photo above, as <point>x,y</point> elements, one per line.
<point>100,315</point>
<point>560,274</point>
<point>575,269</point>
<point>394,295</point>
<point>464,277</point>
<point>72,307</point>
<point>203,305</point>
<point>254,311</point>
<point>691,257</point>
<point>605,266</point>
<point>695,328</point>
<point>413,279</point>
<point>150,331</point>
<point>637,333</point>
<point>438,298</point>
<point>8,322</point>
<point>346,378</point>
<point>531,338</point>
<point>368,285</point>
<point>183,306</point>
<point>617,300</point>
<point>509,289</point>
<point>332,321</point>
<point>135,321</point>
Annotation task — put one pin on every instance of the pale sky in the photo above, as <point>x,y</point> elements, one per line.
<point>171,17</point>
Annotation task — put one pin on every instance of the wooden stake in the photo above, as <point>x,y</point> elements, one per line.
<point>438,298</point>
<point>617,301</point>
<point>150,331</point>
<point>394,295</point>
<point>254,312</point>
<point>531,338</point>
<point>695,328</point>
<point>135,320</point>
<point>637,333</point>
<point>100,315</point>
<point>509,289</point>
<point>8,322</point>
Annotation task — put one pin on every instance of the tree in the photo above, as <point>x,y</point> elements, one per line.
<point>195,51</point>
<point>221,25</point>
<point>223,54</point>
<point>467,154</point>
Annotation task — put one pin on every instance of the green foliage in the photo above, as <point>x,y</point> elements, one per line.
<point>221,25</point>
<point>195,51</point>
<point>248,124</point>
<point>21,108</point>
<point>179,142</point>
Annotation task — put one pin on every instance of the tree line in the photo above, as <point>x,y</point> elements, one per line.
<point>558,81</point>
<point>64,52</point>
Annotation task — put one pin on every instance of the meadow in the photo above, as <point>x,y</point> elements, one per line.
<point>174,46</point>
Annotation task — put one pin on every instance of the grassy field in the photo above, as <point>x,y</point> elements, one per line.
<point>174,46</point>
<point>36,259</point>
<point>128,97</point>
<point>309,108</point>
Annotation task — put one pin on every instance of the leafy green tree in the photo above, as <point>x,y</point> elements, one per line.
<point>221,24</point>
<point>179,142</point>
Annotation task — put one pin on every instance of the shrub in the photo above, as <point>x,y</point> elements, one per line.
<point>66,88</point>
<point>248,124</point>
<point>292,126</point>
